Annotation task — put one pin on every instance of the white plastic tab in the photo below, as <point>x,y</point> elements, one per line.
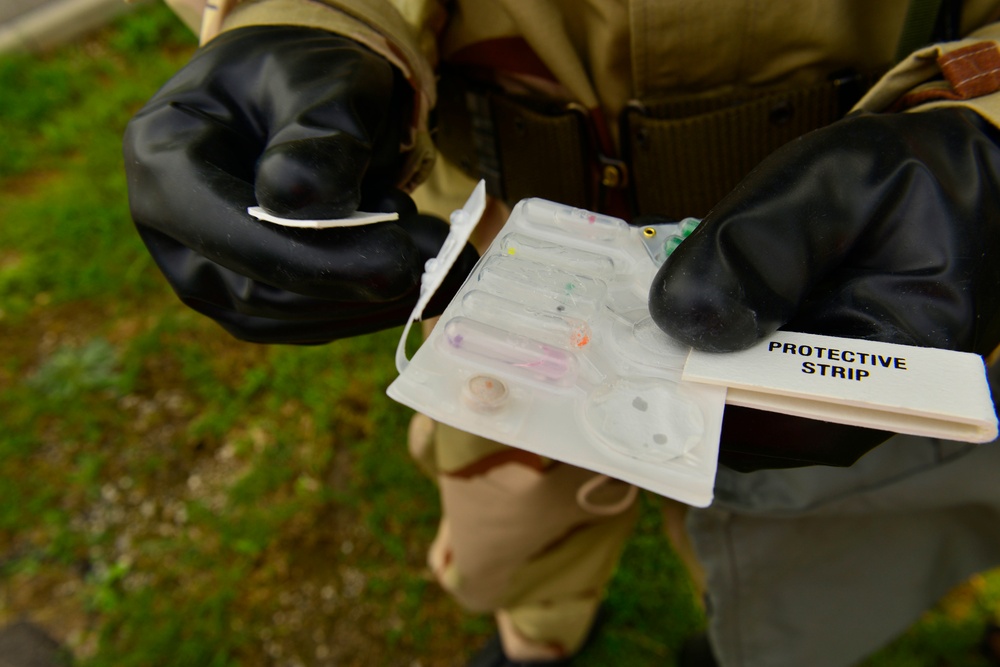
<point>356,219</point>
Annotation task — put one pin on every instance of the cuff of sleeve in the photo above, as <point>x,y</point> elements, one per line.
<point>963,73</point>
<point>188,11</point>
<point>378,26</point>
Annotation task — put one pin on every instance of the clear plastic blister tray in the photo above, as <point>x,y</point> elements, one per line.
<point>549,347</point>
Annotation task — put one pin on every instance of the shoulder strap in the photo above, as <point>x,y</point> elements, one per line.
<point>928,21</point>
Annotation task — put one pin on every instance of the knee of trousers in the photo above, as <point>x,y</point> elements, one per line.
<point>518,528</point>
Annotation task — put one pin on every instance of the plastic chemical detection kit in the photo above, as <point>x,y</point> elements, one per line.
<point>548,346</point>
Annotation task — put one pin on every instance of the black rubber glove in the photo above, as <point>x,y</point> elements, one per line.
<point>308,125</point>
<point>879,227</point>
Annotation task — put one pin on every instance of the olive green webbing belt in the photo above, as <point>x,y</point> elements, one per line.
<point>679,157</point>
<point>685,156</point>
<point>519,150</point>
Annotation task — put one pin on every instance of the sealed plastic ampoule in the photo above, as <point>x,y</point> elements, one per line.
<point>509,353</point>
<point>573,260</point>
<point>556,329</point>
<point>575,222</point>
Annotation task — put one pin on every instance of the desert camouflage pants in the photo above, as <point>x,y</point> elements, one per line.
<point>816,566</point>
<point>533,540</point>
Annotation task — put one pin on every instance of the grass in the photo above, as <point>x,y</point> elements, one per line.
<point>172,497</point>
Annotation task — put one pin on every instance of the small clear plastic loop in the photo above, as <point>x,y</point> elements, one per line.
<point>463,222</point>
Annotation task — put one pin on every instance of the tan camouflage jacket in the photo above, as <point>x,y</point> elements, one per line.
<point>604,53</point>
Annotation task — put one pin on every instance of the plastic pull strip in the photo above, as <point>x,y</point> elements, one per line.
<point>463,221</point>
<point>353,220</point>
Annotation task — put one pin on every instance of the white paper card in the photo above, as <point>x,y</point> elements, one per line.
<point>905,389</point>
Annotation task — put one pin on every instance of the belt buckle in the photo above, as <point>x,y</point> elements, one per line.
<point>610,177</point>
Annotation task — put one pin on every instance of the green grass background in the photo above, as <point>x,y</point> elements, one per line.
<point>170,496</point>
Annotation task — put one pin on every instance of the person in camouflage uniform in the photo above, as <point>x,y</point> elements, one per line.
<point>880,225</point>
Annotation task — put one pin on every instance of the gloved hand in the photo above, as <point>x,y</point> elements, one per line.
<point>879,227</point>
<point>307,124</point>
